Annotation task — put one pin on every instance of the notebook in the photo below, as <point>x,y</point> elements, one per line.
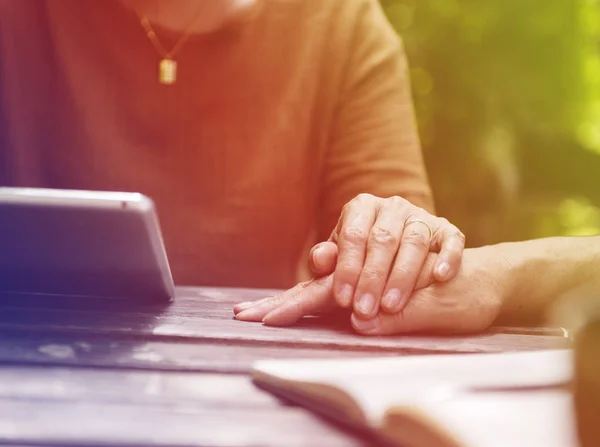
<point>457,400</point>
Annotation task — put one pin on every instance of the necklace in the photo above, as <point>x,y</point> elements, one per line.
<point>167,66</point>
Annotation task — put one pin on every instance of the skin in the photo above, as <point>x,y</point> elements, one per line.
<point>470,303</point>
<point>515,283</point>
<point>371,254</point>
<point>512,283</point>
<point>380,246</point>
<point>191,15</point>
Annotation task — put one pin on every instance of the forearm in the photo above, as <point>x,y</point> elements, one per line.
<point>540,271</point>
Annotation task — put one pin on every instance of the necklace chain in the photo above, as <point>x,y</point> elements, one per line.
<point>156,43</point>
<point>167,67</point>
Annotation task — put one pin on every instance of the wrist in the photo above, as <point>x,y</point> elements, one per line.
<point>515,265</point>
<point>538,273</point>
<point>507,271</point>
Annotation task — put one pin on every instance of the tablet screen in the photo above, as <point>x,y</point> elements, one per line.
<point>82,243</point>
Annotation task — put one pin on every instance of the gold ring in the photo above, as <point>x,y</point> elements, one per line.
<point>412,221</point>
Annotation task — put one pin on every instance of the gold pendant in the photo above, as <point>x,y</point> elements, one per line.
<point>167,71</point>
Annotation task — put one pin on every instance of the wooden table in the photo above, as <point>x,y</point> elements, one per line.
<point>76,372</point>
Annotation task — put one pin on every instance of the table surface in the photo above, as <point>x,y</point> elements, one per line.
<point>78,372</point>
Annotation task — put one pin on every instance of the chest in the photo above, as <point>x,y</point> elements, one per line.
<point>86,106</point>
<point>232,153</point>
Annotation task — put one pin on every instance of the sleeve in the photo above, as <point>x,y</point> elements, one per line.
<point>374,146</point>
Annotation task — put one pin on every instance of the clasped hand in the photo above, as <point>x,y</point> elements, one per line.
<point>372,263</point>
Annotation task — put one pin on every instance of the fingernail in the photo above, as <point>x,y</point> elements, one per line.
<point>392,300</point>
<point>345,295</point>
<point>365,325</point>
<point>366,304</point>
<point>443,269</point>
<point>252,314</point>
<point>316,254</point>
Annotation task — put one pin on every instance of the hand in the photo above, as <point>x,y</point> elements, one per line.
<point>310,297</point>
<point>468,303</point>
<point>306,298</point>
<point>382,244</point>
<point>407,259</point>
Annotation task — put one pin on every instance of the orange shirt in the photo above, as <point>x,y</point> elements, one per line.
<point>274,123</point>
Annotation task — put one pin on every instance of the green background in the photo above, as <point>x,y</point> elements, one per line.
<point>507,94</point>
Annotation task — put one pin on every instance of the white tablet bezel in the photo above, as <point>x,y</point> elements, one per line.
<point>137,202</point>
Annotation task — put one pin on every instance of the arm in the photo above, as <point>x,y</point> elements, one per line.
<point>511,284</point>
<point>542,271</point>
<point>374,176</point>
<point>375,149</point>
<point>374,144</point>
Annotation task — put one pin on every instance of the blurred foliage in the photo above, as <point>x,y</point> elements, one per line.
<point>507,94</point>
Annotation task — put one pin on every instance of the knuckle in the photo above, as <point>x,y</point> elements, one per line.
<point>303,285</point>
<point>403,270</point>
<point>397,200</point>
<point>297,307</point>
<point>414,214</point>
<point>373,274</point>
<point>362,197</point>
<point>304,297</point>
<point>268,300</point>
<point>383,236</point>
<point>319,288</point>
<point>415,239</point>
<point>348,269</point>
<point>354,234</point>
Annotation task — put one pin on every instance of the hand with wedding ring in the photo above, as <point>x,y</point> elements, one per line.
<point>375,253</point>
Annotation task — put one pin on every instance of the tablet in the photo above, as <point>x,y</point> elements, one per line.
<point>82,243</point>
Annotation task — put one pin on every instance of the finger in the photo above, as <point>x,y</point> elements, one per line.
<point>426,276</point>
<point>414,247</point>
<point>257,310</point>
<point>382,247</point>
<point>441,308</point>
<point>335,234</point>
<point>422,314</point>
<point>358,218</point>
<point>452,248</point>
<point>311,299</point>
<point>240,307</point>
<point>322,259</point>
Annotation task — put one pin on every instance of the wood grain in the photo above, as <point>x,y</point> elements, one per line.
<point>87,350</point>
<point>204,315</point>
<point>77,371</point>
<point>156,388</point>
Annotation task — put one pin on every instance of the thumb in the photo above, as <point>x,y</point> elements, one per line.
<point>322,259</point>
